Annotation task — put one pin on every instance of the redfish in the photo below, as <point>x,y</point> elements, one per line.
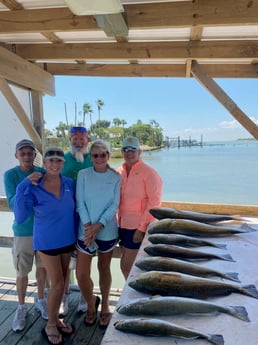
<point>194,228</point>
<point>160,328</point>
<point>182,240</point>
<point>183,285</point>
<point>166,212</point>
<point>165,306</point>
<point>159,263</point>
<point>169,250</point>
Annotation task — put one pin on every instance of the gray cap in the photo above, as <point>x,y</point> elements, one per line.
<point>25,143</point>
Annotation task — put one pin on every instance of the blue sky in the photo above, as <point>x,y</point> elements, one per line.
<point>182,107</point>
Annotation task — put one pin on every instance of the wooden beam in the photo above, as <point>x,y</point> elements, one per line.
<point>244,50</point>
<point>201,75</point>
<point>38,117</point>
<point>19,111</point>
<point>113,25</point>
<point>138,16</point>
<point>24,73</point>
<point>118,70</point>
<point>179,70</point>
<point>12,4</point>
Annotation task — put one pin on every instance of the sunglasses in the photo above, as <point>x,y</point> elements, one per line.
<point>54,153</point>
<point>99,155</point>
<point>29,154</point>
<point>79,129</point>
<point>129,149</point>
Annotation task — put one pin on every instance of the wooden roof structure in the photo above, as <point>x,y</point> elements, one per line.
<point>204,39</point>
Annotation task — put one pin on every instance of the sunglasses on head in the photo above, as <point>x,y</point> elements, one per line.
<point>101,155</point>
<point>79,129</point>
<point>54,153</point>
<point>129,149</point>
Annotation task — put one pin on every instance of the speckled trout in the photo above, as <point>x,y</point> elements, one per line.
<point>184,241</point>
<point>194,228</point>
<point>171,251</point>
<point>160,328</point>
<point>159,263</point>
<point>166,212</point>
<point>183,285</point>
<point>164,306</point>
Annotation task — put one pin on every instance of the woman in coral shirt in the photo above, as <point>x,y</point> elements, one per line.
<point>141,189</point>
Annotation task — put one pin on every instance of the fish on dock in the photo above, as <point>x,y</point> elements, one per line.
<point>184,241</point>
<point>167,212</point>
<point>168,305</point>
<point>161,328</point>
<point>183,285</point>
<point>159,263</point>
<point>194,228</point>
<point>171,251</point>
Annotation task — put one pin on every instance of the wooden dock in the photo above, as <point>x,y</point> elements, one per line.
<point>32,333</point>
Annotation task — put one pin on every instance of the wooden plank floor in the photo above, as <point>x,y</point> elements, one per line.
<point>32,333</point>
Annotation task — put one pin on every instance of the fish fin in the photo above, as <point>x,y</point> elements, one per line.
<point>232,276</point>
<point>216,339</point>
<point>240,313</point>
<point>221,246</point>
<point>227,257</point>
<point>247,228</point>
<point>250,290</point>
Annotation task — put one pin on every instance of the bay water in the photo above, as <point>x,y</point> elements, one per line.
<point>218,172</point>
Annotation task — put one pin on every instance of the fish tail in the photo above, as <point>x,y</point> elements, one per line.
<point>250,290</point>
<point>216,339</point>
<point>227,257</point>
<point>232,276</point>
<point>239,312</point>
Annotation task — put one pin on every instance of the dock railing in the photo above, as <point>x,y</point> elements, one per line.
<point>232,209</point>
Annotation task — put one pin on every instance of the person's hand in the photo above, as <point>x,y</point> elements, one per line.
<point>90,233</point>
<point>34,177</point>
<point>138,236</point>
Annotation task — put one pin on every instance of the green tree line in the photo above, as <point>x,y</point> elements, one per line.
<point>149,134</point>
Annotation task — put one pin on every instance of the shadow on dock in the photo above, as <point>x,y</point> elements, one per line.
<point>31,335</point>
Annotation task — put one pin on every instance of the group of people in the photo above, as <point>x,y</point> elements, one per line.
<point>76,205</point>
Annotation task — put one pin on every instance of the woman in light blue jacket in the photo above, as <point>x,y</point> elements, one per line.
<point>97,198</point>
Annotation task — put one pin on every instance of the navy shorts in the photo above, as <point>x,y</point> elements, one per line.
<point>101,246</point>
<point>59,251</point>
<point>126,238</point>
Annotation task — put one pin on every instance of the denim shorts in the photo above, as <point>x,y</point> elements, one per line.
<point>101,246</point>
<point>126,238</point>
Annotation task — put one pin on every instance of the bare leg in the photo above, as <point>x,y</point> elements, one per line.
<point>67,282</point>
<point>21,286</point>
<point>105,279</point>
<point>56,267</point>
<point>41,276</point>
<point>127,259</point>
<point>83,270</point>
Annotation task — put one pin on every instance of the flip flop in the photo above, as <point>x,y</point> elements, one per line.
<point>87,323</point>
<point>48,335</point>
<point>66,329</point>
<point>104,320</point>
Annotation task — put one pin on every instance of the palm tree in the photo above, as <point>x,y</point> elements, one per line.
<point>117,122</point>
<point>100,104</point>
<point>123,123</point>
<point>86,110</point>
